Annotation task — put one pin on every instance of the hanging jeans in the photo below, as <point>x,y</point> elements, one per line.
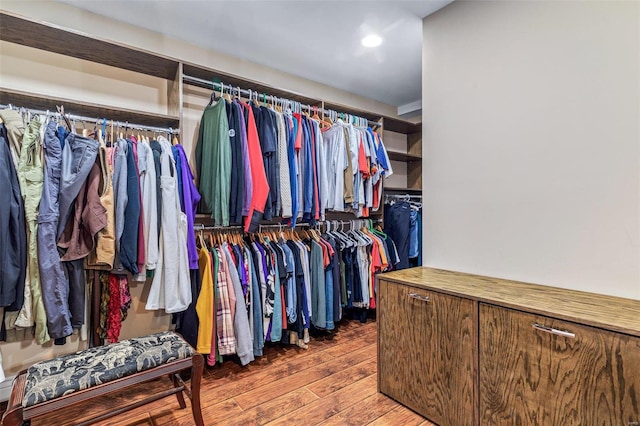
<point>53,278</point>
<point>31,175</point>
<point>413,234</point>
<point>397,225</point>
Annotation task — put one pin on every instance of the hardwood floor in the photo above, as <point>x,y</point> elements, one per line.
<point>331,383</point>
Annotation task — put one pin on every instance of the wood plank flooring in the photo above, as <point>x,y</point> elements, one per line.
<point>331,383</point>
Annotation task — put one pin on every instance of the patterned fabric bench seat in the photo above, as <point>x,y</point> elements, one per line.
<point>57,383</point>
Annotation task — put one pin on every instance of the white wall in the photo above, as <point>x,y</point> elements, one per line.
<point>531,115</point>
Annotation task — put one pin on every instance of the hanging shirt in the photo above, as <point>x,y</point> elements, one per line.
<point>284,167</point>
<point>148,184</point>
<point>129,239</point>
<point>256,307</point>
<point>323,182</point>
<point>268,146</point>
<point>236,123</point>
<point>292,129</point>
<point>213,162</point>
<point>190,204</point>
<point>225,307</point>
<point>244,344</point>
<point>120,196</point>
<point>336,165</point>
<point>258,175</point>
<point>246,162</point>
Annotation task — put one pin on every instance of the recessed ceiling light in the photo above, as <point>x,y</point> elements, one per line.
<point>372,40</point>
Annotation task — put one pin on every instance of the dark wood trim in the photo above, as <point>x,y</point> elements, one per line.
<point>45,36</point>
<point>46,102</point>
<point>396,190</point>
<point>402,156</point>
<point>414,174</point>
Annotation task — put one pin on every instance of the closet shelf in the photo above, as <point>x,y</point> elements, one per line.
<point>52,38</point>
<point>402,156</point>
<point>403,190</point>
<point>30,100</point>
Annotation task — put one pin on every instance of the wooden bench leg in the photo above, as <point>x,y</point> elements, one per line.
<point>13,417</point>
<point>179,395</point>
<point>196,378</point>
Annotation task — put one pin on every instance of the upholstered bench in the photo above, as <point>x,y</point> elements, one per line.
<point>55,384</point>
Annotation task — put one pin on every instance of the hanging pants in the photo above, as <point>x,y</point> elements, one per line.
<point>78,156</point>
<point>31,175</point>
<point>52,273</point>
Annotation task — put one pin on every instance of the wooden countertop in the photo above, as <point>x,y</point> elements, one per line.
<point>608,312</point>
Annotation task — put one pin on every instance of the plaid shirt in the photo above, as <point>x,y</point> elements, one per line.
<point>224,314</point>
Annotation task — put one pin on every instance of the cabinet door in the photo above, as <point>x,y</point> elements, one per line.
<point>556,372</point>
<point>427,352</point>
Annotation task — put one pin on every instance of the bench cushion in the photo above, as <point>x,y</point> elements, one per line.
<point>66,374</point>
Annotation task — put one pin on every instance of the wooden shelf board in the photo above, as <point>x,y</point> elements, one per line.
<point>403,190</point>
<point>401,126</point>
<point>403,156</point>
<point>44,102</point>
<point>52,38</point>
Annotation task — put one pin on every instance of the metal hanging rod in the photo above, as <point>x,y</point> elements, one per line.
<point>124,124</point>
<point>201,227</point>
<point>251,94</point>
<point>402,196</point>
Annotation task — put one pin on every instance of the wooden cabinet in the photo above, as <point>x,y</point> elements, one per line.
<point>427,352</point>
<point>489,351</point>
<point>537,370</point>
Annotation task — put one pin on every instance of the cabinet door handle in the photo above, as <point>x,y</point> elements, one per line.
<point>553,330</point>
<point>418,297</point>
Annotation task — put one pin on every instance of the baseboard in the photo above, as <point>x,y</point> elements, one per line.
<point>5,389</point>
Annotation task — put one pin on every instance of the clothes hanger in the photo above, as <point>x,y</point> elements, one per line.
<point>226,96</point>
<point>213,97</point>
<point>174,140</point>
<point>64,117</point>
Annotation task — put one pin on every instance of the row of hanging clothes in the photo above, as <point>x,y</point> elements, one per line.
<point>89,205</point>
<point>258,161</point>
<point>274,286</point>
<point>403,224</point>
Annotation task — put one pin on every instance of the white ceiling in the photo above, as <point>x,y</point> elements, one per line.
<point>318,40</point>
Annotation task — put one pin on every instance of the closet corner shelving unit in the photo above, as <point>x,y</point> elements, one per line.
<point>52,38</point>
<point>411,134</point>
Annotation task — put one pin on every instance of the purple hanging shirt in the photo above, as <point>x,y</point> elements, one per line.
<point>191,199</point>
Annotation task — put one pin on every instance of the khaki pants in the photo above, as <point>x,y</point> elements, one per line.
<point>31,175</point>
